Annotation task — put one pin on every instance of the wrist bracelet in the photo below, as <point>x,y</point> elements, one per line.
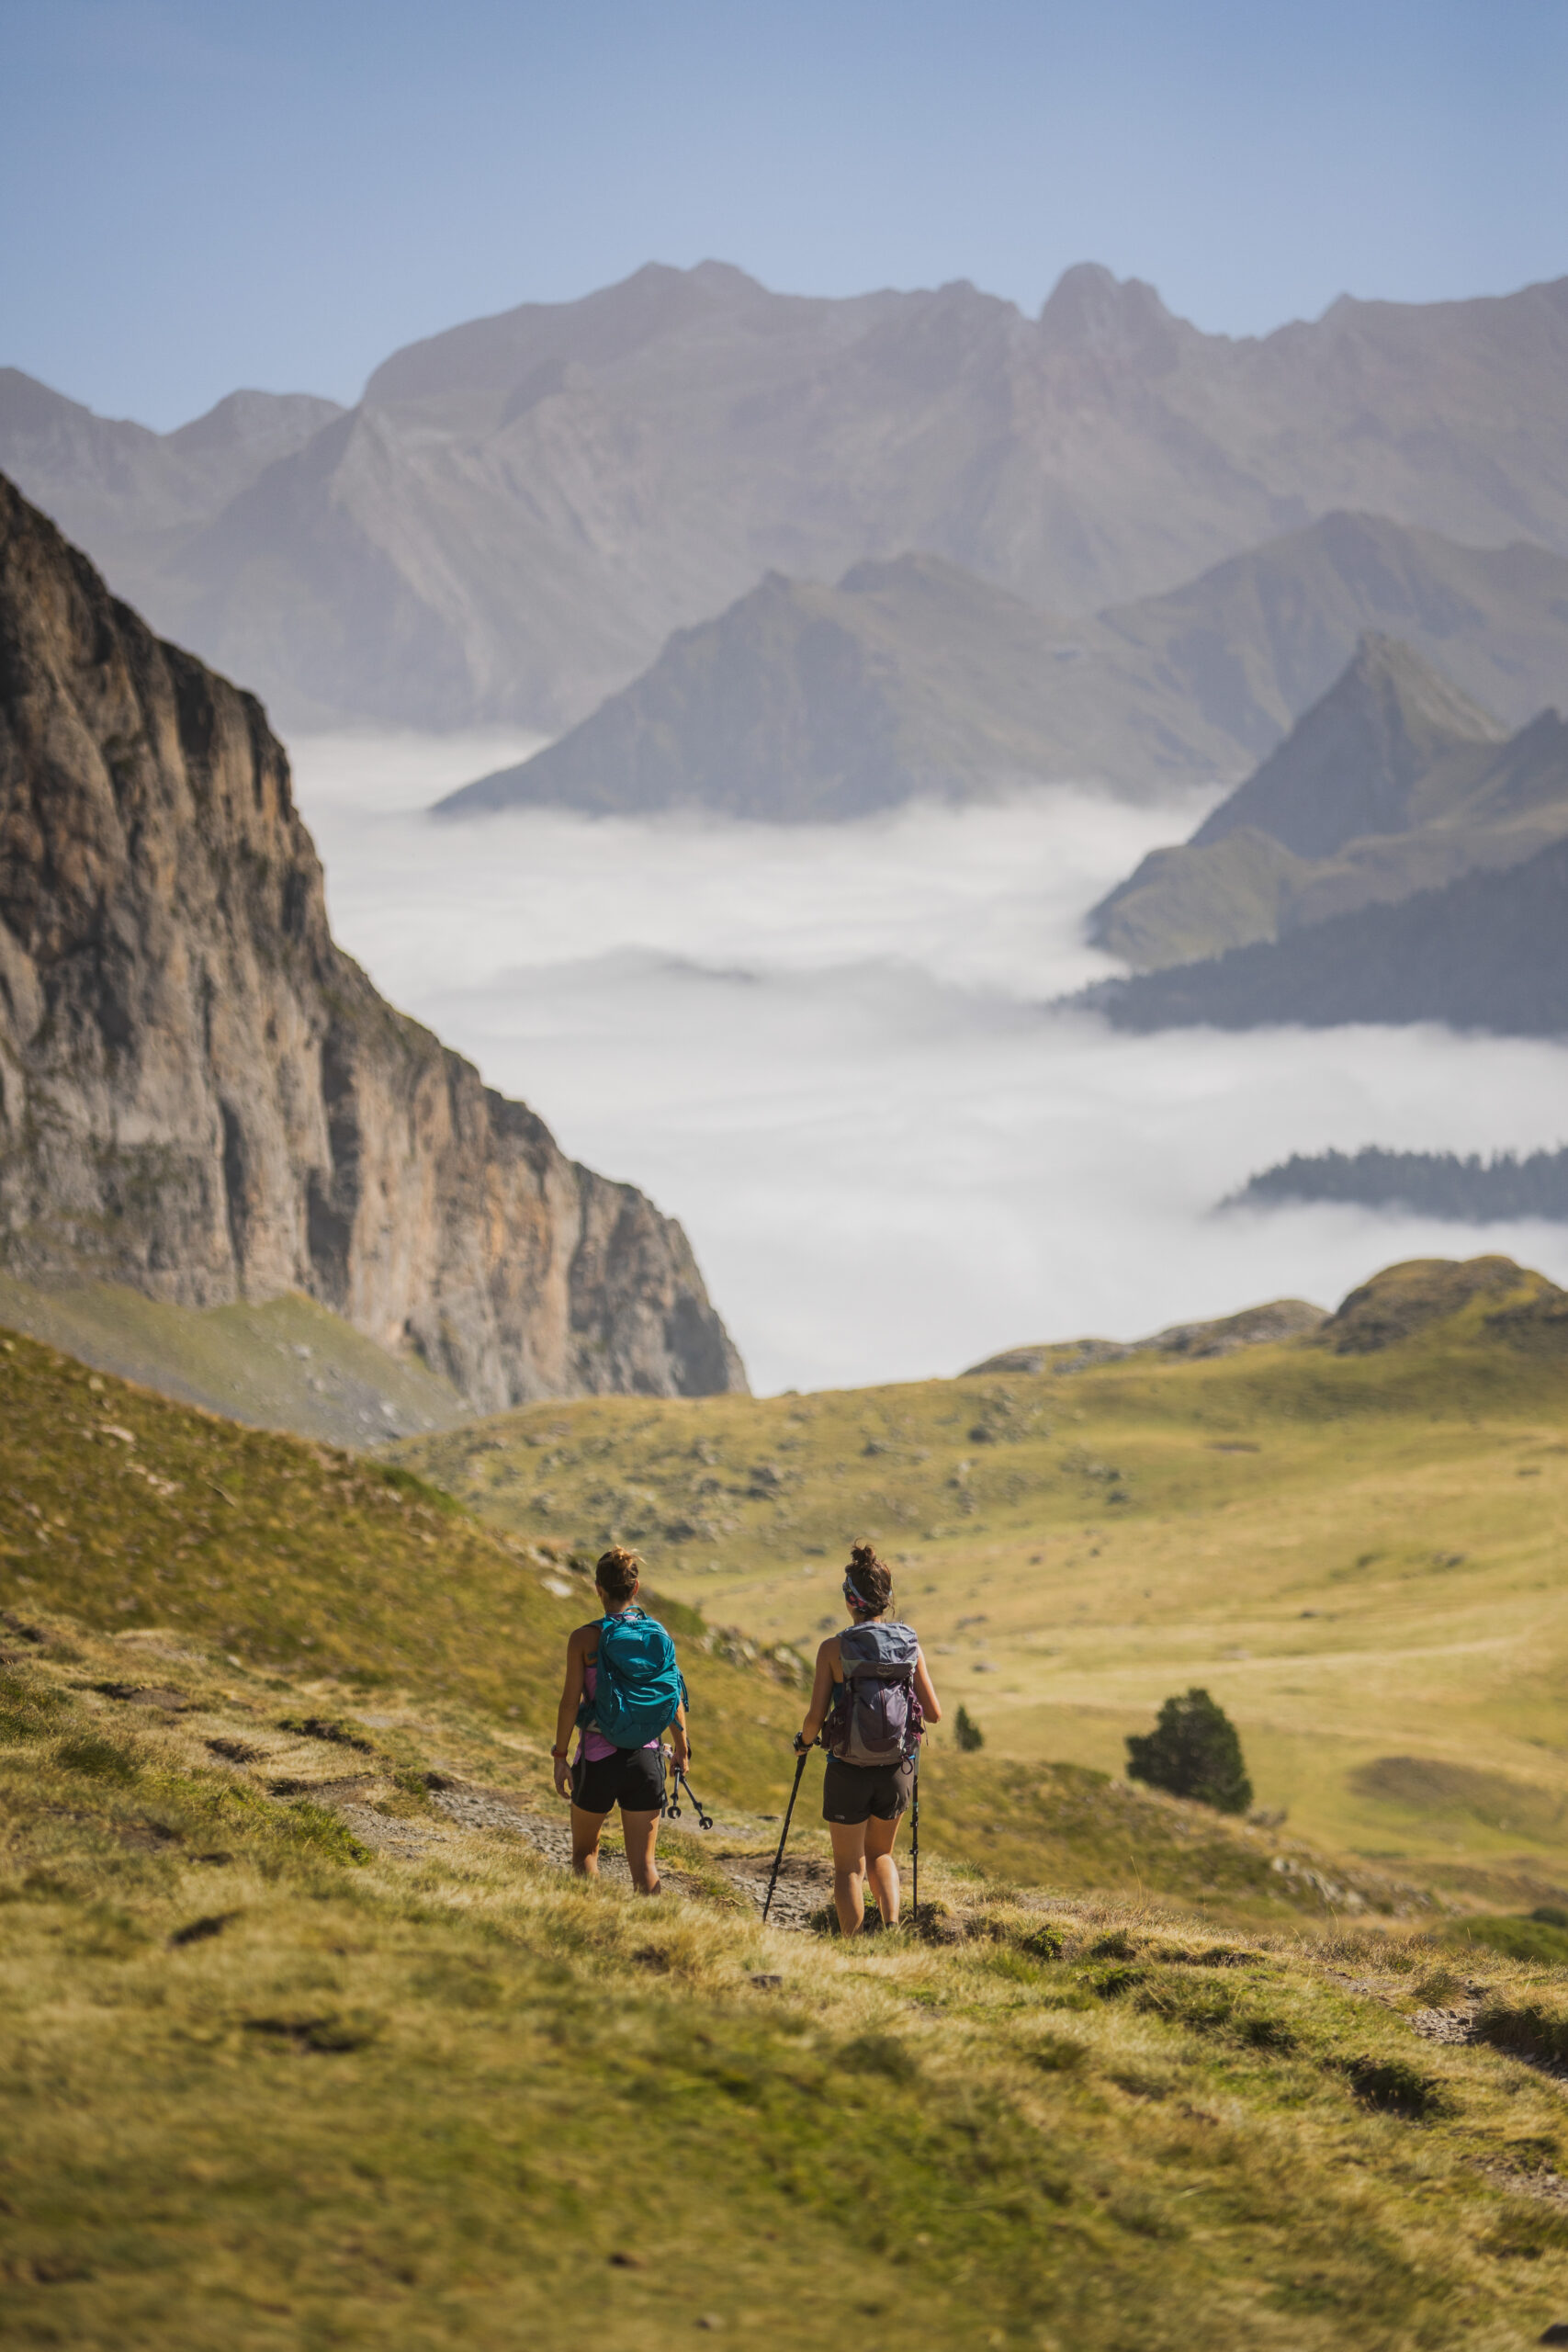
<point>561,1754</point>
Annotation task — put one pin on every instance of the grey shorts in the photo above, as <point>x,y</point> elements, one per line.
<point>855,1793</point>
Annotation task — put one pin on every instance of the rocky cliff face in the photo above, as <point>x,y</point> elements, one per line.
<point>202,1096</point>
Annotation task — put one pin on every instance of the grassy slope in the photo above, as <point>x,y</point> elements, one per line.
<point>267,2085</point>
<point>1361,1556</point>
<point>289,1365</point>
<point>294,2059</point>
<point>121,1505</point>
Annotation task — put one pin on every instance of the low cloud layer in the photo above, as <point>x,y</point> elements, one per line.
<point>826,1051</point>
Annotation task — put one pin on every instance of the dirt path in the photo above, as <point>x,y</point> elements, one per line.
<point>805,1885</point>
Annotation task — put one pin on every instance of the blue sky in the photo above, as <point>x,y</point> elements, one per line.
<point>197,194</point>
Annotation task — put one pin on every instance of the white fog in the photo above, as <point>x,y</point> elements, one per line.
<point>826,1051</point>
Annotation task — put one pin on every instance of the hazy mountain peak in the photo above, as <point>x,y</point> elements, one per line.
<point>1347,767</point>
<point>28,406</point>
<point>723,277</point>
<point>255,419</point>
<point>598,330</point>
<point>1089,306</point>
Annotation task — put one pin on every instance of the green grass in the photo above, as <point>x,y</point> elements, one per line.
<point>266,2086</point>
<point>131,1510</point>
<point>290,1364</point>
<point>1361,1555</point>
<point>294,2058</point>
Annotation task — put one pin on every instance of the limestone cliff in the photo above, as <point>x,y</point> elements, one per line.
<point>202,1095</point>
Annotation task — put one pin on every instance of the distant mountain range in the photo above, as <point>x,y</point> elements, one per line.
<point>914,677</point>
<point>1395,781</point>
<point>518,512</point>
<point>910,677</point>
<point>1429,1183</point>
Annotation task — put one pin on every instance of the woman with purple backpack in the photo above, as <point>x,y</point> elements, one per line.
<point>871,1700</point>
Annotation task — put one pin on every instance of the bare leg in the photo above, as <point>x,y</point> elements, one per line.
<point>881,1868</point>
<point>585,1829</point>
<point>849,1874</point>
<point>639,1830</point>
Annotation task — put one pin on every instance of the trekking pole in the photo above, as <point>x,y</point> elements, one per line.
<point>705,1820</point>
<point>670,1809</point>
<point>778,1858</point>
<point>915,1844</point>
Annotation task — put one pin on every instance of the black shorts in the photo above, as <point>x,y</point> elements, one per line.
<point>633,1777</point>
<point>855,1793</point>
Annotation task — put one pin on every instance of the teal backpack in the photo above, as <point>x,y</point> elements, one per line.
<point>639,1685</point>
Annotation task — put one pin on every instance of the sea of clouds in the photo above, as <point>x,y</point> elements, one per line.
<point>829,1050</point>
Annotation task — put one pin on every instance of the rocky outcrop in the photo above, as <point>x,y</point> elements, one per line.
<point>202,1096</point>
<point>1255,1326</point>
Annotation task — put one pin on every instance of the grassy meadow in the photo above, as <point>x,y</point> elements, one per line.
<point>287,1363</point>
<point>310,2040</point>
<point>292,2057</point>
<point>1360,1554</point>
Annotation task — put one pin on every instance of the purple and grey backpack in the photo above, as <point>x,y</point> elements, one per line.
<point>876,1717</point>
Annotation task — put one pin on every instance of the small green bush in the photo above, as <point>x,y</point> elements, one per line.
<point>1192,1751</point>
<point>1533,1939</point>
<point>313,1829</point>
<point>878,2054</point>
<point>1394,2087</point>
<point>98,1758</point>
<point>28,1709</point>
<point>1534,2028</point>
<point>1055,2055</point>
<point>968,1732</point>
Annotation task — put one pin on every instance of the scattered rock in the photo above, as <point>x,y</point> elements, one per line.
<point>328,2034</point>
<point>1455,2025</point>
<point>199,1931</point>
<point>235,1751</point>
<point>134,1694</point>
<point>766,1981</point>
<point>322,1727</point>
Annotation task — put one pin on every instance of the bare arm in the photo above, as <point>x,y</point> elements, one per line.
<point>681,1742</point>
<point>925,1691</point>
<point>571,1699</point>
<point>821,1690</point>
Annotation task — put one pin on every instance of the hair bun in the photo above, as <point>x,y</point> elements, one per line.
<point>870,1578</point>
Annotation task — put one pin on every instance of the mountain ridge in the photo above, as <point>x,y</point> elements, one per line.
<point>803,701</point>
<point>1393,783</point>
<point>1488,951</point>
<point>520,511</point>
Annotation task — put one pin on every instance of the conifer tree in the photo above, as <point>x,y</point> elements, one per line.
<point>1192,1751</point>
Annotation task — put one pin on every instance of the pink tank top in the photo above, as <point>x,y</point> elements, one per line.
<point>593,1745</point>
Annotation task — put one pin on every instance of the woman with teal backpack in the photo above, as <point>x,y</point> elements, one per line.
<point>623,1690</point>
